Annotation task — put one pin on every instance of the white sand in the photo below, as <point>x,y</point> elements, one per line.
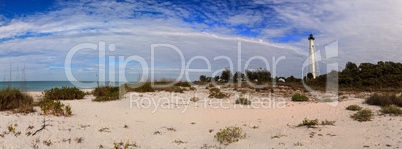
<point>88,117</point>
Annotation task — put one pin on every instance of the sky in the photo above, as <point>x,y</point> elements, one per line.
<point>36,36</point>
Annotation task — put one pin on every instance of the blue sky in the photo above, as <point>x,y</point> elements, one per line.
<point>40,33</point>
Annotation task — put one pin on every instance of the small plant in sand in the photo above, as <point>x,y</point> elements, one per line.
<point>309,123</point>
<point>122,145</point>
<point>298,97</point>
<point>312,123</point>
<point>194,99</point>
<point>106,93</point>
<point>216,93</point>
<point>363,115</point>
<point>64,93</point>
<point>11,128</point>
<point>354,108</point>
<point>55,108</point>
<point>179,142</point>
<point>17,134</point>
<point>230,135</point>
<point>326,122</point>
<point>391,110</point>
<point>47,142</point>
<point>243,101</point>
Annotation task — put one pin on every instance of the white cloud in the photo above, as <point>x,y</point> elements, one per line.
<point>367,31</point>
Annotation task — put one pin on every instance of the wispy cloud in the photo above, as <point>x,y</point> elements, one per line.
<point>368,31</point>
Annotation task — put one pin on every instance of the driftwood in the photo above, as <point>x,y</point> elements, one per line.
<point>43,127</point>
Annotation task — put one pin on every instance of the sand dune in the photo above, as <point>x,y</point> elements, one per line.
<point>197,125</point>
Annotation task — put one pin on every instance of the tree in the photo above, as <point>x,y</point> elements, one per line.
<point>203,78</point>
<point>310,76</point>
<point>238,76</point>
<point>291,79</point>
<point>350,66</point>
<point>226,75</point>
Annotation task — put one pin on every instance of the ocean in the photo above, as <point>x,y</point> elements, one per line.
<point>46,85</point>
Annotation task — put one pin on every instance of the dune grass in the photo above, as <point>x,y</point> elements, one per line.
<point>106,93</point>
<point>13,98</point>
<point>384,100</point>
<point>391,109</point>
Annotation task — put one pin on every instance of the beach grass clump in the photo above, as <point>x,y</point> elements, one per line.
<point>363,115</point>
<point>13,98</point>
<point>230,135</point>
<point>216,93</point>
<point>384,100</point>
<point>175,89</point>
<point>64,93</point>
<point>106,93</point>
<point>354,108</point>
<point>243,101</point>
<point>183,84</point>
<point>55,108</point>
<point>391,109</point>
<point>298,97</point>
<point>146,87</point>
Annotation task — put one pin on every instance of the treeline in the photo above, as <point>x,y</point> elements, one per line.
<point>259,75</point>
<point>366,75</point>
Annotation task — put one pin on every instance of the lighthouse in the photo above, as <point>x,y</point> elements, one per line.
<point>311,52</point>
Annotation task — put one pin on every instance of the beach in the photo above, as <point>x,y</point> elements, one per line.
<point>180,123</point>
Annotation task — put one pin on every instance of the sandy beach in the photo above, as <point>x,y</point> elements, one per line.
<point>180,123</point>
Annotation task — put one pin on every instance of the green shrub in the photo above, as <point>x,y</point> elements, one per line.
<point>384,100</point>
<point>106,93</point>
<point>55,108</point>
<point>15,99</point>
<point>230,134</point>
<point>363,115</point>
<point>64,93</point>
<point>298,97</point>
<point>216,93</point>
<point>354,108</point>
<point>392,109</point>
<point>243,101</point>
